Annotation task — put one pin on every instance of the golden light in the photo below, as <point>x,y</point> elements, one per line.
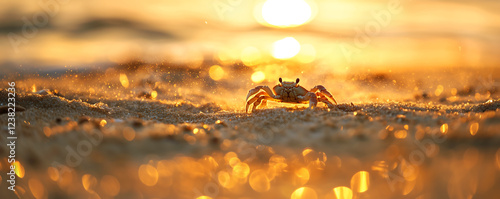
<point>286,13</point>
<point>439,90</point>
<point>444,128</point>
<point>258,77</point>
<point>154,94</point>
<point>19,169</point>
<point>225,180</point>
<point>110,185</point>
<point>400,134</point>
<point>103,123</point>
<point>47,131</point>
<point>259,181</point>
<point>234,161</point>
<point>473,128</point>
<point>342,192</point>
<point>124,80</point>
<point>229,155</point>
<point>89,182</point>
<point>33,88</point>
<point>285,48</point>
<point>301,176</point>
<point>306,151</point>
<point>360,181</point>
<point>148,175</point>
<point>241,170</point>
<point>204,197</point>
<point>250,56</point>
<point>36,188</point>
<point>304,193</point>
<point>216,72</point>
<point>53,173</point>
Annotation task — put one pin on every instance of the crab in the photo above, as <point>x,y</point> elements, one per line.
<point>289,92</point>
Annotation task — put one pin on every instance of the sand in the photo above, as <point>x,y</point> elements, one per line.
<point>158,131</point>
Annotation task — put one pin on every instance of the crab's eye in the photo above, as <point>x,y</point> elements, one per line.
<point>297,81</point>
<point>281,81</point>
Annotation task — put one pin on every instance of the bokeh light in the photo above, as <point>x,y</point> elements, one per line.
<point>216,72</point>
<point>301,176</point>
<point>37,188</point>
<point>400,134</point>
<point>474,127</point>
<point>360,182</point>
<point>154,94</point>
<point>342,192</point>
<point>241,170</point>
<point>444,128</point>
<point>89,182</point>
<point>225,180</point>
<point>304,193</point>
<point>258,77</point>
<point>285,48</point>
<point>204,197</point>
<point>53,173</point>
<point>124,80</point>
<point>129,133</point>
<point>19,169</point>
<point>259,181</point>
<point>148,175</point>
<point>110,185</point>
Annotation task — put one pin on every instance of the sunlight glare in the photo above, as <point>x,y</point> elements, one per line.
<point>286,13</point>
<point>285,48</point>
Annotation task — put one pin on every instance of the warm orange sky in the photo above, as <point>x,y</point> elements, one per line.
<point>420,33</point>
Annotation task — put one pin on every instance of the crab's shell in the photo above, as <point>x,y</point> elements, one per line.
<point>289,94</point>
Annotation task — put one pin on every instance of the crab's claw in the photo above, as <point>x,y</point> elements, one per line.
<point>258,95</point>
<point>325,92</point>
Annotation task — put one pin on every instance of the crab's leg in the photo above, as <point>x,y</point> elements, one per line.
<point>257,98</point>
<point>259,88</point>
<point>261,101</point>
<point>323,90</point>
<point>324,99</point>
<point>313,100</point>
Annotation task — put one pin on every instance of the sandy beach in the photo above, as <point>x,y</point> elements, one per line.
<point>129,132</point>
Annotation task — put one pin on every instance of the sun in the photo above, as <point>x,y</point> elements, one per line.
<point>286,13</point>
<point>285,48</point>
